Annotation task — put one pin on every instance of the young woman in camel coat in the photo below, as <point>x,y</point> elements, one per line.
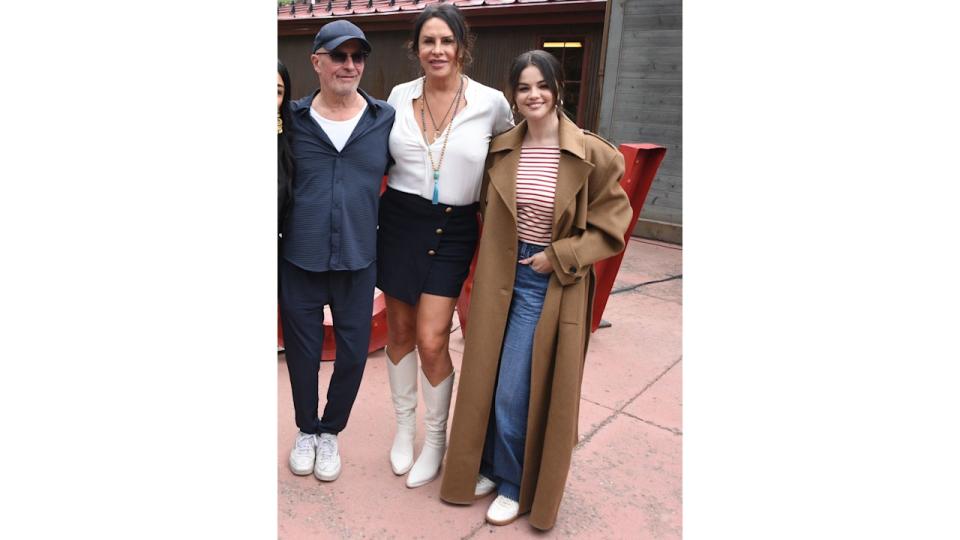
<point>591,214</point>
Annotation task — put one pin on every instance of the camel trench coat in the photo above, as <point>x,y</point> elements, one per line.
<point>591,216</point>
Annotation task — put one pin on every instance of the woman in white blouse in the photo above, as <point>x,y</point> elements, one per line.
<point>428,225</point>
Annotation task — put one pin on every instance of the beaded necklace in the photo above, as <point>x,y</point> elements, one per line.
<point>446,137</point>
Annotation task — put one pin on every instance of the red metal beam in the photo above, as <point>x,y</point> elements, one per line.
<point>642,162</point>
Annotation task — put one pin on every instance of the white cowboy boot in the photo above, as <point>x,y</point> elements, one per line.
<point>403,391</point>
<point>436,400</point>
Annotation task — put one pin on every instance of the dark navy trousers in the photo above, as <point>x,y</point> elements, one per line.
<point>302,297</point>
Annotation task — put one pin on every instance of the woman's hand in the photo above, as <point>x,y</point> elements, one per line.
<point>539,262</point>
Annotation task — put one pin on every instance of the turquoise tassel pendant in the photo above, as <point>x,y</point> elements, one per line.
<point>436,187</point>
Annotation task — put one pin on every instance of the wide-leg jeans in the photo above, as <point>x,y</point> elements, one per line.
<point>502,459</point>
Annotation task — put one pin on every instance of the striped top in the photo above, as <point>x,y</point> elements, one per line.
<point>536,183</point>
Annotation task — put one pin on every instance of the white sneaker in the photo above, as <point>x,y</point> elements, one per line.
<point>328,458</point>
<point>304,454</point>
<point>502,511</point>
<point>485,486</point>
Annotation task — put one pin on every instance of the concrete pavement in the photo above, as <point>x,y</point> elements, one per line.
<point>625,478</point>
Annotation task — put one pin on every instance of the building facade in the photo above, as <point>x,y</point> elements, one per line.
<point>636,43</point>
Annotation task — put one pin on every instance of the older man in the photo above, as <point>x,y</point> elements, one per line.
<point>340,147</point>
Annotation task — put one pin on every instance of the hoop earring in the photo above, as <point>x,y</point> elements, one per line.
<point>279,123</point>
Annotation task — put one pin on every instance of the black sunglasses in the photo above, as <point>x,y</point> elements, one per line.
<point>341,57</point>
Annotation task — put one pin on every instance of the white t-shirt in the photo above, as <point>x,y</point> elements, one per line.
<point>486,115</point>
<point>338,130</point>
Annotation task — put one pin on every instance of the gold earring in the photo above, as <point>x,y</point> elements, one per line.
<point>279,123</point>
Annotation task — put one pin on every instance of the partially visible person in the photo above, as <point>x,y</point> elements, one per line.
<point>285,167</point>
<point>552,206</point>
<point>340,150</point>
<point>428,225</point>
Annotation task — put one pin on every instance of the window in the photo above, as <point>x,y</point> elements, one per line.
<point>570,51</point>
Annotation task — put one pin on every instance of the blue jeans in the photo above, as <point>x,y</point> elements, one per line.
<point>502,459</point>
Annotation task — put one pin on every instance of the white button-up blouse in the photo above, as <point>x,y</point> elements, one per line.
<point>486,115</point>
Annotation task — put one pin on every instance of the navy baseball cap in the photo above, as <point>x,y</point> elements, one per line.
<point>333,34</point>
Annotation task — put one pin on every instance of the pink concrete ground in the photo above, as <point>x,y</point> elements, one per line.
<point>625,479</point>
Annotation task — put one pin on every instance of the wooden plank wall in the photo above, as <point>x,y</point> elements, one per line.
<point>493,52</point>
<point>647,96</point>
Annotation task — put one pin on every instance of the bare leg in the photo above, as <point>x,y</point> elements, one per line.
<point>433,335</point>
<point>401,328</point>
<point>434,316</point>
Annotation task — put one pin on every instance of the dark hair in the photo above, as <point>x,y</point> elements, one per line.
<point>285,167</point>
<point>451,15</point>
<point>549,67</point>
<point>285,104</point>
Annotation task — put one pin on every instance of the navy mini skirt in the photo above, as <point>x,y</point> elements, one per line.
<point>422,247</point>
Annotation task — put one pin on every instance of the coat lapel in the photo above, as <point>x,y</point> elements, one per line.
<point>503,174</point>
<point>572,173</point>
<point>573,169</point>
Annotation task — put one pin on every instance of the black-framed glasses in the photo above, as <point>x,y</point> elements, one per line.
<point>341,57</point>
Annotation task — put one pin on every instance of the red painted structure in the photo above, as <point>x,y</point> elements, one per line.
<point>642,162</point>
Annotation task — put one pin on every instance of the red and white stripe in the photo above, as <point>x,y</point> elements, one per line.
<point>536,184</point>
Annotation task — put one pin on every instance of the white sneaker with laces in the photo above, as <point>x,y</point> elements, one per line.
<point>328,458</point>
<point>485,486</point>
<point>304,454</point>
<point>502,511</point>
